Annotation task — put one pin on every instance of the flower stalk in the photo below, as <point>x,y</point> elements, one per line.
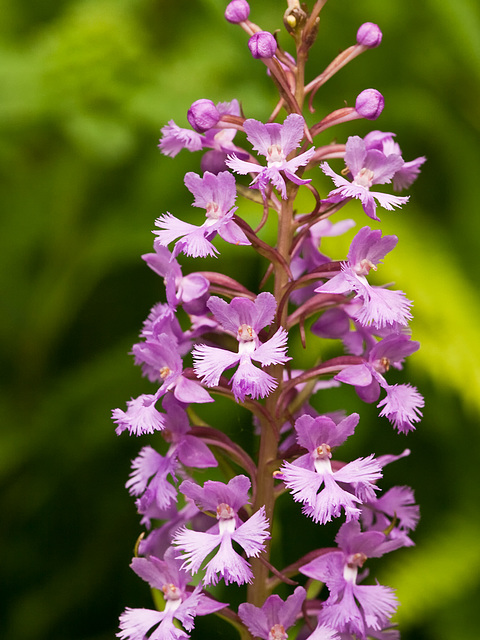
<point>214,337</point>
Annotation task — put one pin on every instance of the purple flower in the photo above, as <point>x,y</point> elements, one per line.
<point>311,479</point>
<point>275,142</point>
<point>308,257</point>
<point>402,406</point>
<point>274,617</point>
<point>216,194</point>
<point>191,291</point>
<point>323,632</point>
<point>189,450</point>
<point>368,376</point>
<point>180,604</point>
<point>351,607</point>
<point>174,138</point>
<point>244,319</point>
<point>224,500</point>
<point>162,319</point>
<point>150,473</point>
<point>402,403</point>
<point>394,511</point>
<point>161,362</point>
<point>140,417</point>
<point>367,167</point>
<point>385,143</point>
<point>380,306</point>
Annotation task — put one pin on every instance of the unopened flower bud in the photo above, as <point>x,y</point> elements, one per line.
<point>237,11</point>
<point>203,115</point>
<point>262,45</point>
<point>369,104</point>
<point>369,35</point>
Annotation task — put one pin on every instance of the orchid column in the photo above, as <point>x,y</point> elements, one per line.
<point>211,324</point>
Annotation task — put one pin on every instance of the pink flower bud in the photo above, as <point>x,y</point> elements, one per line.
<point>369,35</point>
<point>262,45</point>
<point>237,11</point>
<point>203,115</point>
<point>369,104</point>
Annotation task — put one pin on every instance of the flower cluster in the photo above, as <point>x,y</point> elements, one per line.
<point>212,336</point>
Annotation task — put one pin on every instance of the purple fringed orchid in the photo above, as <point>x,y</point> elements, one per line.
<point>150,470</point>
<point>243,318</point>
<point>345,488</point>
<point>140,417</point>
<point>275,142</point>
<point>274,617</point>
<point>161,362</point>
<point>149,479</point>
<point>174,138</point>
<point>384,142</point>
<point>367,167</point>
<point>180,603</point>
<point>216,194</point>
<point>403,403</point>
<point>380,307</point>
<point>224,500</point>
<point>191,291</point>
<point>351,607</point>
<point>308,257</point>
<point>394,511</point>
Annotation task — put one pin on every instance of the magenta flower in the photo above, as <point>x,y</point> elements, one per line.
<point>275,142</point>
<point>402,406</point>
<point>161,362</point>
<point>394,511</point>
<point>191,291</point>
<point>150,474</point>
<point>216,194</point>
<point>380,306</point>
<point>385,143</point>
<point>274,617</point>
<point>402,403</point>
<point>311,479</point>
<point>140,417</point>
<point>244,319</point>
<point>351,607</point>
<point>367,167</point>
<point>174,138</point>
<point>225,501</point>
<point>368,376</point>
<point>180,603</point>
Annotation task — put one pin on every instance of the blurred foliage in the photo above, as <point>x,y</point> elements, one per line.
<point>85,87</point>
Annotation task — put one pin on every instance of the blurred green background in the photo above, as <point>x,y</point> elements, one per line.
<point>84,88</point>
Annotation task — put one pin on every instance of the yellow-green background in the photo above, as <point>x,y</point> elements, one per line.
<point>84,88</point>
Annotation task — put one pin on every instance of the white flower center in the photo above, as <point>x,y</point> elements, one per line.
<point>350,569</point>
<point>322,452</point>
<point>213,211</point>
<point>226,518</point>
<point>246,333</point>
<point>382,365</point>
<point>165,372</point>
<point>363,267</point>
<point>364,178</point>
<point>171,592</point>
<point>275,154</point>
<point>277,632</point>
